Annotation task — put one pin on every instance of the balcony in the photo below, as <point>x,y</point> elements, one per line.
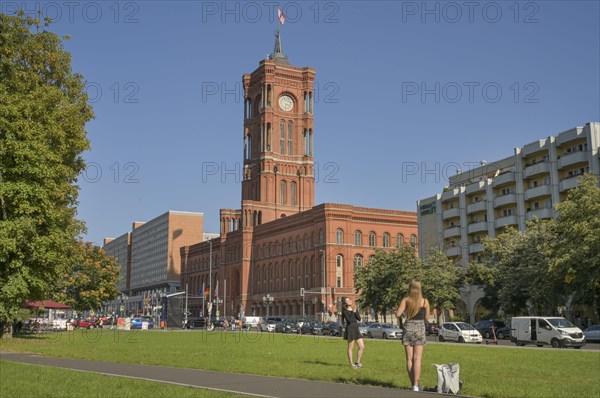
<point>476,207</point>
<point>569,135</point>
<point>449,194</point>
<point>543,190</point>
<point>476,187</point>
<point>453,251</point>
<point>533,148</point>
<point>572,158</point>
<point>450,213</point>
<point>503,179</point>
<point>453,231</point>
<point>535,169</point>
<point>477,227</point>
<point>475,248</point>
<point>539,213</point>
<point>504,221</point>
<point>569,183</point>
<point>505,200</point>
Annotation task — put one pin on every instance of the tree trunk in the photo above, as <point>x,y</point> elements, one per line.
<point>6,332</point>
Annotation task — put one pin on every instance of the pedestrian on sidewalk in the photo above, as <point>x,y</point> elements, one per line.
<point>413,338</point>
<point>351,316</point>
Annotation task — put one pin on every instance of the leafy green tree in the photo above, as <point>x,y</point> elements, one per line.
<point>384,280</point>
<point>43,113</point>
<point>524,260</point>
<point>91,281</point>
<point>441,280</point>
<point>578,250</point>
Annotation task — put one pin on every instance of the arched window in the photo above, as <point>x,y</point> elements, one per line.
<point>282,192</point>
<point>321,237</point>
<point>339,270</point>
<point>306,241</point>
<point>306,274</point>
<point>372,239</point>
<point>293,193</point>
<point>386,240</point>
<point>249,147</point>
<point>290,139</point>
<point>358,261</point>
<point>399,240</point>
<point>298,247</point>
<point>282,137</point>
<point>358,238</point>
<point>339,236</point>
<point>413,240</point>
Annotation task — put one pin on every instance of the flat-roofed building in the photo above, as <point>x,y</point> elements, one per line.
<point>486,200</point>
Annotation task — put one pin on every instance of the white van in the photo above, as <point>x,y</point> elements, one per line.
<point>252,321</point>
<point>540,330</point>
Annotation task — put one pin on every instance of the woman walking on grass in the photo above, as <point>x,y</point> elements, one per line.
<point>417,311</point>
<point>352,333</point>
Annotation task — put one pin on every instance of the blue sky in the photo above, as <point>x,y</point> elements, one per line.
<point>431,84</point>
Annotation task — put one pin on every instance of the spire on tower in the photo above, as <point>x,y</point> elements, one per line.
<point>278,56</point>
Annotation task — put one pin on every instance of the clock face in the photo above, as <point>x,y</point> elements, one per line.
<point>286,103</point>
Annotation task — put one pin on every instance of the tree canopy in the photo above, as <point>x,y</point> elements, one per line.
<point>43,114</point>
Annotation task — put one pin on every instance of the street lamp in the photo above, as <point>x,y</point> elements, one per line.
<point>267,300</point>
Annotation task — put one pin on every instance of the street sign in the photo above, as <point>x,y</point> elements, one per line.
<point>122,308</point>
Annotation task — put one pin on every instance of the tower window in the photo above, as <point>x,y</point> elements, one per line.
<point>372,239</point>
<point>339,236</point>
<point>282,137</point>
<point>283,192</point>
<point>293,193</point>
<point>290,139</point>
<point>358,238</point>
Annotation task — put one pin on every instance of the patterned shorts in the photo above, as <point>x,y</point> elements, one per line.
<point>414,333</point>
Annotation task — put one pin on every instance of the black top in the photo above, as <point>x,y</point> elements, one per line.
<point>350,317</point>
<point>419,316</point>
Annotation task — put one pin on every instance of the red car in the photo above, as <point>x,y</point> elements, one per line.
<point>85,323</point>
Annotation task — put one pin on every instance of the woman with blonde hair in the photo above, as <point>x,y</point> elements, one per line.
<point>417,311</point>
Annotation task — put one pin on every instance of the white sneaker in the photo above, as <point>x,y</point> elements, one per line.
<point>415,388</point>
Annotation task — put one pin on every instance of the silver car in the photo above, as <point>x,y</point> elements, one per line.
<point>592,333</point>
<point>384,331</point>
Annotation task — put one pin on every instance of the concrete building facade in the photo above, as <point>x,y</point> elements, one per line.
<point>485,200</point>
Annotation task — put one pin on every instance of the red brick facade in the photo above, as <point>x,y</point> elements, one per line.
<point>279,242</point>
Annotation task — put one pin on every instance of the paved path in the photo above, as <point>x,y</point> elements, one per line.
<point>264,386</point>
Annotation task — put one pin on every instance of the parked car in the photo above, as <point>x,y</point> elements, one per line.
<point>485,327</point>
<point>384,331</point>
<point>196,322</point>
<point>136,323</point>
<point>310,327</point>
<point>268,326</point>
<point>503,332</point>
<point>461,332</point>
<point>430,328</point>
<point>331,329</point>
<point>84,323</point>
<point>285,327</point>
<point>592,333</point>
<point>218,323</point>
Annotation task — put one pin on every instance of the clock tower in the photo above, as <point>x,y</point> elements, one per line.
<point>278,140</point>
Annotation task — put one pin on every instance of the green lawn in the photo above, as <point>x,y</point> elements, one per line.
<point>43,381</point>
<point>486,371</point>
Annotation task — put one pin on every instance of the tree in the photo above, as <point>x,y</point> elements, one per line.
<point>578,248</point>
<point>524,260</point>
<point>485,276</point>
<point>43,113</point>
<point>441,280</point>
<point>91,281</point>
<point>384,281</point>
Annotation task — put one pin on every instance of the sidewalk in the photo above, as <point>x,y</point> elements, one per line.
<point>264,386</point>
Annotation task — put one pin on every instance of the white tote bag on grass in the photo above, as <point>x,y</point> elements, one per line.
<point>448,378</point>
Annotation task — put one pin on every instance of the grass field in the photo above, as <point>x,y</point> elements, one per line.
<point>42,381</point>
<point>485,371</point>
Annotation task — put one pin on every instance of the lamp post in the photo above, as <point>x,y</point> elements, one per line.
<point>323,282</point>
<point>267,300</point>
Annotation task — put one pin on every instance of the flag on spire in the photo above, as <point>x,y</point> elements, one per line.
<point>281,16</point>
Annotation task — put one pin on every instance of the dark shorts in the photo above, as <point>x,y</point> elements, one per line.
<point>414,333</point>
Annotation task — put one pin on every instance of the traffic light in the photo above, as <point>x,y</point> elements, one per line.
<point>302,291</point>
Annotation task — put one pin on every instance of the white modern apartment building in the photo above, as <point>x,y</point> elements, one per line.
<point>508,192</point>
